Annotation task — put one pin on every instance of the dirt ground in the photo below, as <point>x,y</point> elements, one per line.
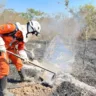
<point>86,75</point>
<point>33,88</point>
<point>28,89</point>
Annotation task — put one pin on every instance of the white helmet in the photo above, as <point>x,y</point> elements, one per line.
<point>33,27</point>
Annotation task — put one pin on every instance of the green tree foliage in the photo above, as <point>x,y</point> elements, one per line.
<point>89,14</point>
<point>31,13</point>
<point>10,15</point>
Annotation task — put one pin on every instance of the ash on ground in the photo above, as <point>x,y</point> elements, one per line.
<point>85,66</point>
<point>84,70</point>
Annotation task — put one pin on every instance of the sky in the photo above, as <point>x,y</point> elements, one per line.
<point>47,6</point>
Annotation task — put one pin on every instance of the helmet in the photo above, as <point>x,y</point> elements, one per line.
<point>33,27</point>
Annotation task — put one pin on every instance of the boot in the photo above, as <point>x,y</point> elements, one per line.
<point>3,89</point>
<point>23,76</point>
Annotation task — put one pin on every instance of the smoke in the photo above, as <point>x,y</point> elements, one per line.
<point>68,28</point>
<point>49,29</point>
<point>62,34</point>
<point>2,5</point>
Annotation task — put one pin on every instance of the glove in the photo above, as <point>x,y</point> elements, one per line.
<point>2,49</point>
<point>2,45</point>
<point>26,60</point>
<point>24,55</point>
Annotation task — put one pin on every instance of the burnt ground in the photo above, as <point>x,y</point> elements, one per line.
<point>85,65</point>
<point>84,69</point>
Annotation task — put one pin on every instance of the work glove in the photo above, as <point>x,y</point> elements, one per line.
<point>26,60</point>
<point>24,55</point>
<point>2,45</point>
<point>2,49</point>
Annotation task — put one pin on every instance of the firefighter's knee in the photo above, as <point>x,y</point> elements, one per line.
<point>18,64</point>
<point>4,66</point>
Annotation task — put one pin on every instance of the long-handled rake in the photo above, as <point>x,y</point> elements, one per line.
<point>40,66</point>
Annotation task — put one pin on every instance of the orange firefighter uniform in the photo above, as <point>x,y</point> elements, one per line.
<point>13,39</point>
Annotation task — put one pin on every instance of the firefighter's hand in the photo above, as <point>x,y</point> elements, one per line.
<point>26,60</point>
<point>2,45</point>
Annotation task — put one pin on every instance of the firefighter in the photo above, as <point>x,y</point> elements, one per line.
<point>13,38</point>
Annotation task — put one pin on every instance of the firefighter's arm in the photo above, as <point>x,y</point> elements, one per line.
<point>7,28</point>
<point>22,52</point>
